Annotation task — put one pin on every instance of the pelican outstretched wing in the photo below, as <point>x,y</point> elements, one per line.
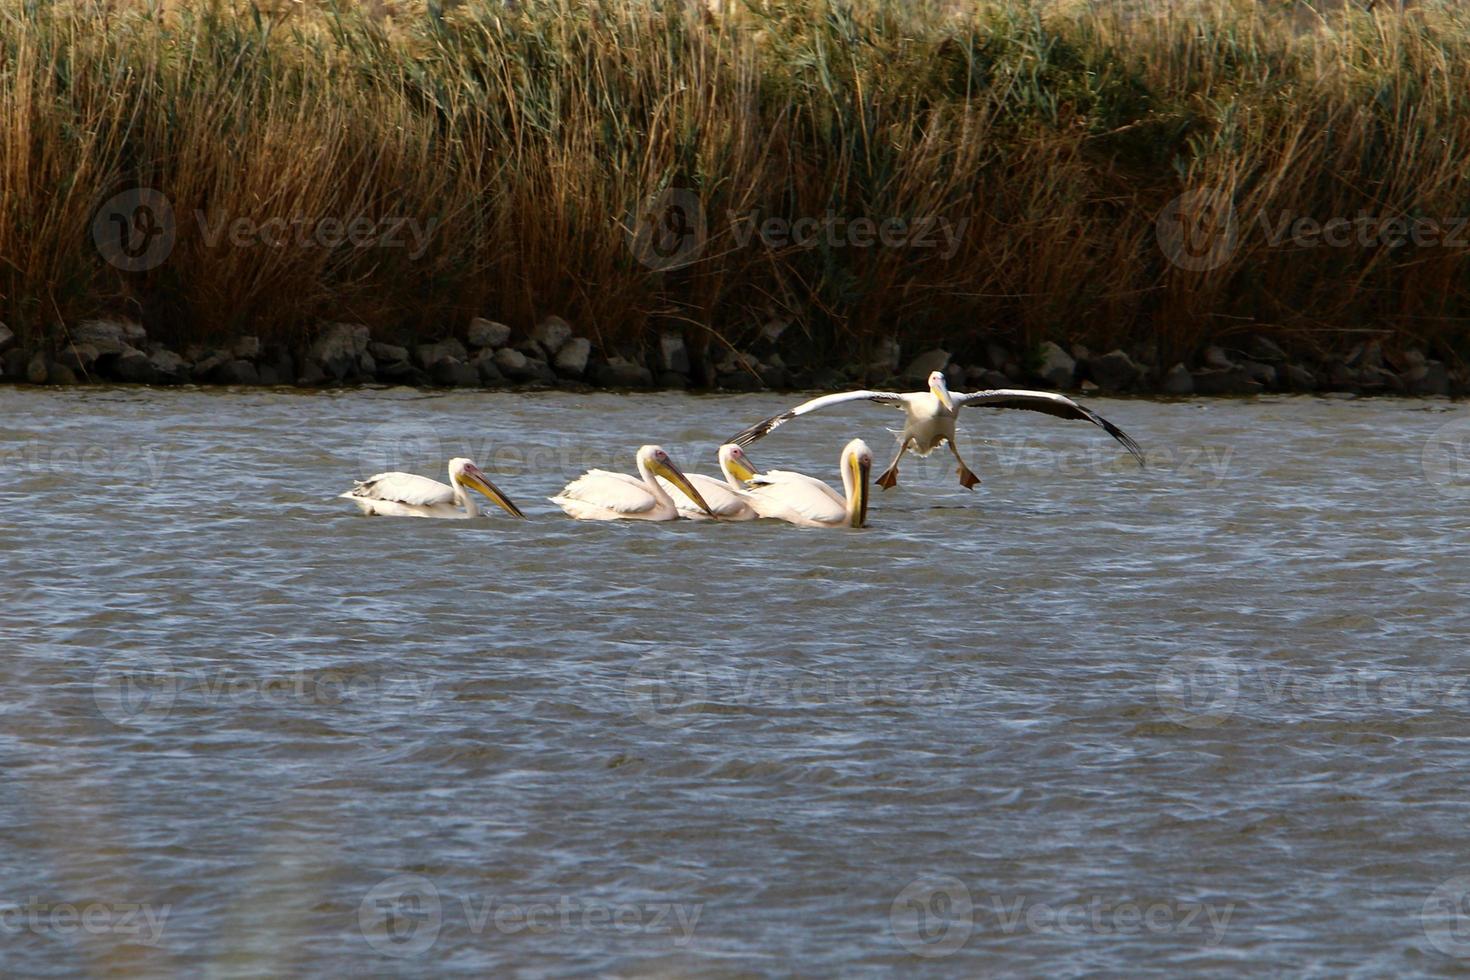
<point>1050,403</point>
<point>746,436</point>
<point>403,488</point>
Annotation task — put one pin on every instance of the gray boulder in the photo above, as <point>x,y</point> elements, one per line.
<point>1299,378</point>
<point>1217,359</point>
<point>430,354</point>
<point>1264,349</point>
<point>167,366</point>
<point>1429,378</point>
<point>340,353</point>
<point>1177,381</point>
<point>1263,374</point>
<point>36,369</point>
<point>80,357</point>
<point>551,333</point>
<point>1229,381</point>
<point>451,372</point>
<point>387,353</point>
<point>490,375</point>
<point>246,348</point>
<point>14,362</point>
<point>59,374</point>
<point>926,363</point>
<point>571,360</point>
<point>108,336</point>
<point>1057,366</point>
<point>619,372</point>
<point>235,371</point>
<point>487,333</point>
<point>673,354</point>
<point>7,337</point>
<point>884,360</point>
<point>1115,371</point>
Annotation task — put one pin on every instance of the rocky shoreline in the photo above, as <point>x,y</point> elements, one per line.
<point>552,354</point>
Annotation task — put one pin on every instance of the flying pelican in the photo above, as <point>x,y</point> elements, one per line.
<point>728,500</point>
<point>598,495</point>
<point>931,416</point>
<point>410,495</point>
<point>800,499</point>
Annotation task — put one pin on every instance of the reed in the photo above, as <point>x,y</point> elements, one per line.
<point>1049,135</point>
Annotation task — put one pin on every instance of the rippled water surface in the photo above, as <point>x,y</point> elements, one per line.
<point>1212,716</point>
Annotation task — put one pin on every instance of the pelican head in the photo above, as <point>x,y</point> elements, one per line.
<point>939,388</point>
<point>653,460</point>
<point>466,474</point>
<point>735,464</point>
<point>857,466</point>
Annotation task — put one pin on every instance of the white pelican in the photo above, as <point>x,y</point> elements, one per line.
<point>931,416</point>
<point>800,499</point>
<point>727,500</point>
<point>410,495</point>
<point>598,495</point>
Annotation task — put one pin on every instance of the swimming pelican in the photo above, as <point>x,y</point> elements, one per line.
<point>410,495</point>
<point>598,495</point>
<point>931,416</point>
<point>727,500</point>
<point>800,499</point>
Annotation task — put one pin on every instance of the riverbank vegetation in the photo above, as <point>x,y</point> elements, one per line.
<point>1022,164</point>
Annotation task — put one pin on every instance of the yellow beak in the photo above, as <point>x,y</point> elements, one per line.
<point>478,481</point>
<point>861,470</point>
<point>943,397</point>
<point>671,473</point>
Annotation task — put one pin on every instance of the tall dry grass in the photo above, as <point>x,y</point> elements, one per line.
<point>1053,133</point>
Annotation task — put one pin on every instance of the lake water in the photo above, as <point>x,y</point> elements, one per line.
<point>1212,716</point>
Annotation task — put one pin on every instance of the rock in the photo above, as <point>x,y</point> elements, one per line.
<point>551,333</point>
<point>619,372</point>
<point>532,350</point>
<point>132,367</point>
<point>954,376</point>
<point>673,354</point>
<point>1088,387</point>
<point>1231,381</point>
<point>246,349</point>
<point>311,375</point>
<point>989,379</point>
<point>923,364</point>
<point>1339,375</point>
<point>387,352</point>
<point>1216,358</point>
<point>511,363</point>
<point>484,364</point>
<point>1264,349</point>
<point>1000,358</point>
<point>672,379</point>
<point>206,365</point>
<point>1430,378</point>
<point>1079,352</point>
<point>1369,355</point>
<point>1381,378</point>
<point>7,337</point>
<point>81,357</point>
<point>235,371</point>
<point>1262,374</point>
<point>1177,381</point>
<point>108,336</point>
<point>398,371</point>
<point>1115,371</point>
<point>1057,366</point>
<point>1299,378</point>
<point>36,369</point>
<point>340,353</point>
<point>571,360</point>
<point>1413,359</point>
<point>738,381</point>
<point>885,356</point>
<point>487,333</point>
<point>451,372</point>
<point>430,354</point>
<point>59,374</point>
<point>774,376</point>
<point>167,366</point>
<point>15,361</point>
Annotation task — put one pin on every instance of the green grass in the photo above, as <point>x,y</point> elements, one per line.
<point>1052,133</point>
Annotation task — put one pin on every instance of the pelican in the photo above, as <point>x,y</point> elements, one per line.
<point>598,495</point>
<point>727,500</point>
<point>800,499</point>
<point>410,495</point>
<point>931,416</point>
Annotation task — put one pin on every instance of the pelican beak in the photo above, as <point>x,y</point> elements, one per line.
<point>671,473</point>
<point>743,473</point>
<point>473,478</point>
<point>942,393</point>
<point>862,469</point>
